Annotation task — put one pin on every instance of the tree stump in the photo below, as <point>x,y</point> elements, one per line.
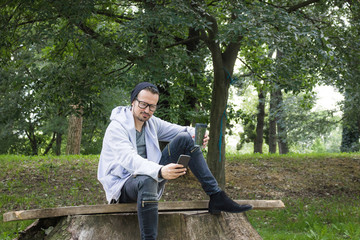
<point>194,225</point>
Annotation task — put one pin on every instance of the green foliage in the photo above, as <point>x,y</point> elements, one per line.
<point>305,125</point>
<point>76,52</point>
<point>40,96</point>
<point>57,54</point>
<point>94,125</point>
<point>344,71</point>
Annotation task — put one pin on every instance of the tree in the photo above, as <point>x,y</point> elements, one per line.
<point>293,69</point>
<point>303,125</point>
<point>343,41</point>
<point>25,114</point>
<point>260,122</point>
<point>351,122</point>
<point>272,140</point>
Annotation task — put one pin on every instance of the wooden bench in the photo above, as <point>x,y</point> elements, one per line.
<point>129,208</point>
<point>177,220</point>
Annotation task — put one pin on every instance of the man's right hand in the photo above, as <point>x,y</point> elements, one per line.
<point>172,171</point>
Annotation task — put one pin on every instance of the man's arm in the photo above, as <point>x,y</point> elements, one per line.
<point>167,131</point>
<point>121,154</point>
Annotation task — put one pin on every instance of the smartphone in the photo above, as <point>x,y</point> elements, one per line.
<point>184,160</point>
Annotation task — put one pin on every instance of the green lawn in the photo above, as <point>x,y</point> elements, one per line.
<point>310,218</point>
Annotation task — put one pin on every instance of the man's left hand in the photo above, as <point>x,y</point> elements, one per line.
<point>206,140</point>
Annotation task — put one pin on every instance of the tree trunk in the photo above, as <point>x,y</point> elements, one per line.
<point>272,124</point>
<point>216,153</point>
<point>260,123</point>
<point>280,117</point>
<point>281,124</point>
<point>58,144</point>
<point>50,144</point>
<point>30,133</point>
<point>223,64</point>
<point>74,132</point>
<point>172,226</point>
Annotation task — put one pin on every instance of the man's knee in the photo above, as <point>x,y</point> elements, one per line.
<point>148,188</point>
<point>184,138</point>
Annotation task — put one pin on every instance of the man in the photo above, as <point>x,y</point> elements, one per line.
<point>133,169</point>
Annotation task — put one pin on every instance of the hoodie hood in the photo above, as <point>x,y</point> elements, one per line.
<point>124,116</point>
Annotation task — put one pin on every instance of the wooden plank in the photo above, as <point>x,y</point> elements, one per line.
<point>129,208</point>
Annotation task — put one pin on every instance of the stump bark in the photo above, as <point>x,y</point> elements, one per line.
<point>172,226</point>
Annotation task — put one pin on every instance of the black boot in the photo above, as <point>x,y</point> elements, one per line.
<point>221,202</point>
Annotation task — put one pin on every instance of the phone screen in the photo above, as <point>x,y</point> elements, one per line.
<point>184,160</point>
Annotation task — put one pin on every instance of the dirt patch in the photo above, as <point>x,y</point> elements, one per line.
<point>278,178</point>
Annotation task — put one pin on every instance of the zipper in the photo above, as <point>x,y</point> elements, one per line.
<point>195,148</point>
<point>143,202</point>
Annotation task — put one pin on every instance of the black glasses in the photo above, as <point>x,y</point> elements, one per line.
<point>144,105</point>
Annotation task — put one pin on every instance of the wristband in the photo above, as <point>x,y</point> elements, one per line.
<point>159,174</point>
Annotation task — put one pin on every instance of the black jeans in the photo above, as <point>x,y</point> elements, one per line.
<point>146,191</point>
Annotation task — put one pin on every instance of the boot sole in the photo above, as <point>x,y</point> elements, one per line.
<point>217,212</point>
<point>214,212</point>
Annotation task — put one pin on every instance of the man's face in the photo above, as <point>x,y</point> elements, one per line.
<point>147,97</point>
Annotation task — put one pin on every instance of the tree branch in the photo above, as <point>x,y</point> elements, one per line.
<point>37,20</point>
<point>118,18</point>
<point>127,67</point>
<point>314,21</point>
<point>301,5</point>
<point>184,41</point>
<point>212,31</point>
<point>245,75</point>
<point>107,43</point>
<point>294,7</point>
<point>49,146</point>
<point>251,70</point>
<point>232,50</point>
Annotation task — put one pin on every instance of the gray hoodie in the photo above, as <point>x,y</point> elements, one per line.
<point>119,158</point>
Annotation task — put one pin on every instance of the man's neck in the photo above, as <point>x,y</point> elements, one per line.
<point>138,124</point>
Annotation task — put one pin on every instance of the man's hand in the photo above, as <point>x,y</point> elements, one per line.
<point>172,171</point>
<point>206,140</point>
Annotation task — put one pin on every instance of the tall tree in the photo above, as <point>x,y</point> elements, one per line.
<point>351,121</point>
<point>272,123</point>
<point>343,39</point>
<point>258,145</point>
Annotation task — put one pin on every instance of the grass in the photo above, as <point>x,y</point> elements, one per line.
<point>309,218</point>
<point>45,182</point>
<point>328,210</point>
<point>321,191</point>
<point>292,156</point>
